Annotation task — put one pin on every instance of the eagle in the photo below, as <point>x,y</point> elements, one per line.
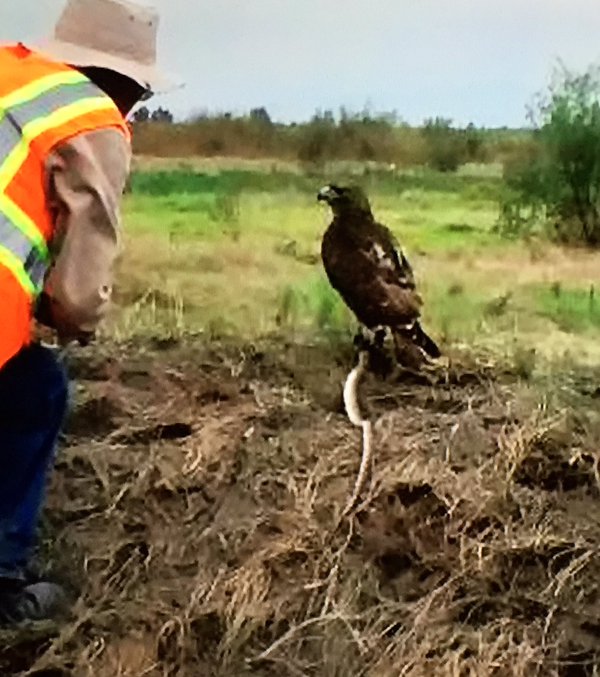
<point>367,268</point>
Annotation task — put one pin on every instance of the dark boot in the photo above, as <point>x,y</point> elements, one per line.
<point>31,602</point>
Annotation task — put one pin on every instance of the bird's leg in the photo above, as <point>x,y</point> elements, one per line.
<point>372,341</point>
<point>362,341</point>
<point>379,337</point>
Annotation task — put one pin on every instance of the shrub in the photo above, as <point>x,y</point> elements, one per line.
<point>446,146</point>
<point>475,150</point>
<point>562,176</point>
<point>317,142</point>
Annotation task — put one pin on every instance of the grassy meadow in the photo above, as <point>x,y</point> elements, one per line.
<point>232,249</point>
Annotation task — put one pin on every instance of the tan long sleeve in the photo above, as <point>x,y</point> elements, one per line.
<point>85,181</point>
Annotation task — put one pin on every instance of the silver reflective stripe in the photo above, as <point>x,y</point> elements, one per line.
<point>17,117</point>
<point>51,101</point>
<point>36,268</point>
<point>10,136</point>
<point>20,245</point>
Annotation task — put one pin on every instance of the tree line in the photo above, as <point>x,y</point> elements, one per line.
<point>551,171</point>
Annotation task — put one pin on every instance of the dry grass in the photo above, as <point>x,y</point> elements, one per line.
<point>195,501</point>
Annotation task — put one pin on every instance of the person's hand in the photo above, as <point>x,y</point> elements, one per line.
<point>48,314</point>
<point>43,311</point>
<point>85,338</point>
<point>68,333</point>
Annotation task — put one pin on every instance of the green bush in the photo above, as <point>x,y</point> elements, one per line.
<point>449,147</point>
<point>560,177</point>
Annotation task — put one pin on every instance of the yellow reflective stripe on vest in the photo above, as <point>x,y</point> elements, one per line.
<point>39,87</point>
<point>16,267</point>
<point>33,261</point>
<point>32,130</point>
<point>17,216</point>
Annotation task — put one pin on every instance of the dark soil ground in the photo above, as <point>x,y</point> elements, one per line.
<point>193,507</point>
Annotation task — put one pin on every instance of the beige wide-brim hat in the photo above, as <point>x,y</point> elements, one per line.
<point>113,34</point>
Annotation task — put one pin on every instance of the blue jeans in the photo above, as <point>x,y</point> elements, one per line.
<point>33,402</point>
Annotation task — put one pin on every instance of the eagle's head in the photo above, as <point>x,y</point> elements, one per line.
<point>345,200</point>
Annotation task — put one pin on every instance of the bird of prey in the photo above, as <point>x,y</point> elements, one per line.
<point>365,265</point>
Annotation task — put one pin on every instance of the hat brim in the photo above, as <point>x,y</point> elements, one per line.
<point>74,55</point>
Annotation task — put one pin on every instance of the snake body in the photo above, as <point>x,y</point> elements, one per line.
<point>350,395</point>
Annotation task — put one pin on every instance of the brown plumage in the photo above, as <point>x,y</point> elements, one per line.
<point>370,272</point>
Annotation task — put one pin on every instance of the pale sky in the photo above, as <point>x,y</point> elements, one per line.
<point>470,60</point>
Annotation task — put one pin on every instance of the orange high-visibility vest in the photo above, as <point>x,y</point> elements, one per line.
<point>42,104</point>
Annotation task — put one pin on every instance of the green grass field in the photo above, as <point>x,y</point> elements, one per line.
<point>236,252</point>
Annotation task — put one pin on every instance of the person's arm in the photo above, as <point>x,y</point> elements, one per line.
<point>85,181</point>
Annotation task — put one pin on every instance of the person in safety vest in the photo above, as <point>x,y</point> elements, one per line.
<point>64,160</point>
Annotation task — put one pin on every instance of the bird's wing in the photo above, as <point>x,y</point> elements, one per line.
<point>386,253</point>
<point>372,279</point>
